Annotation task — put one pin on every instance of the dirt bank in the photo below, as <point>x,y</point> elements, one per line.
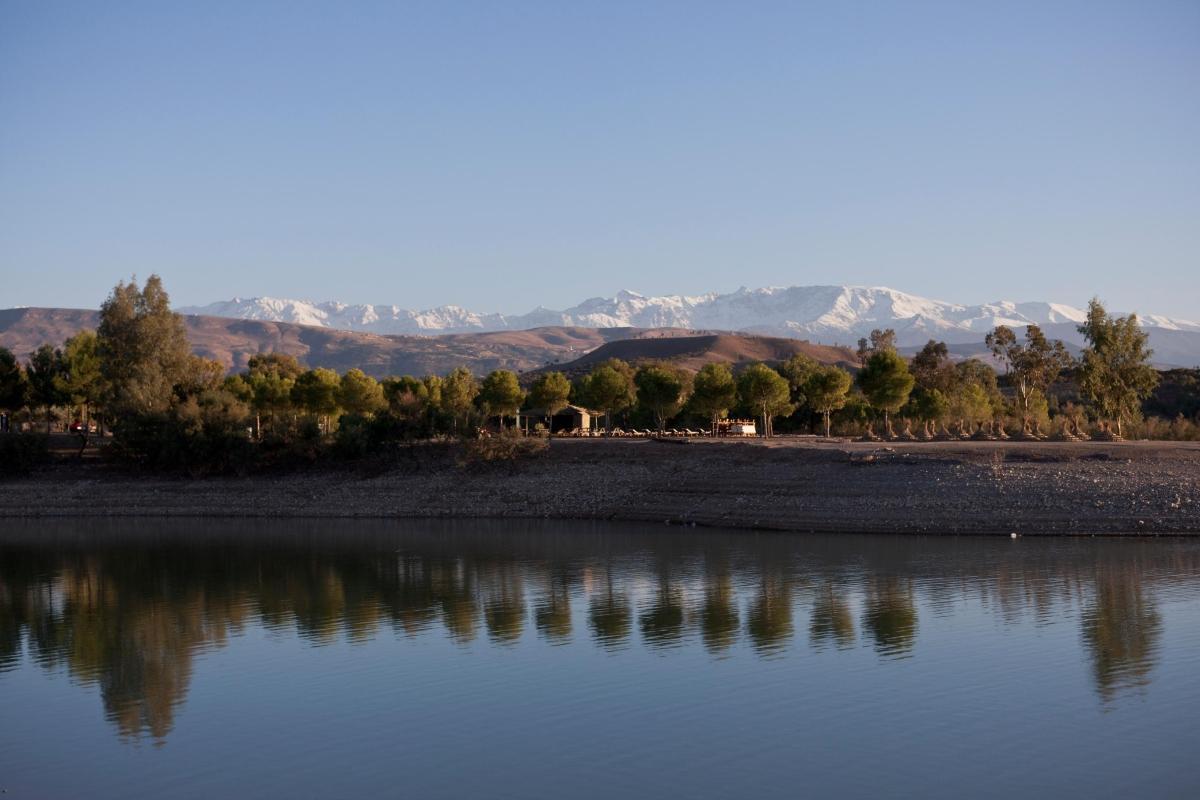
<point>784,484</point>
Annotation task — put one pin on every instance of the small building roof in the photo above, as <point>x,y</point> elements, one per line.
<point>565,409</point>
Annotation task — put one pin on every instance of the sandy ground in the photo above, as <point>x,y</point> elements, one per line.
<point>782,484</point>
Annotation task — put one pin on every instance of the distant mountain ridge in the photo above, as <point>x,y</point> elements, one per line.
<point>234,341</point>
<point>823,314</point>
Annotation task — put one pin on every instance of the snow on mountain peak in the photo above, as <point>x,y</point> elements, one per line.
<point>828,314</point>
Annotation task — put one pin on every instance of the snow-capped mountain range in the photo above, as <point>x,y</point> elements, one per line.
<point>825,314</point>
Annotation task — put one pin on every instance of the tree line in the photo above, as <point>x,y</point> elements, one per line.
<point>136,375</point>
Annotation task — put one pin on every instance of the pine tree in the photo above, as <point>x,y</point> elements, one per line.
<point>826,390</point>
<point>549,394</point>
<point>45,374</point>
<point>714,392</point>
<point>886,382</point>
<point>501,394</point>
<point>765,390</point>
<point>609,388</point>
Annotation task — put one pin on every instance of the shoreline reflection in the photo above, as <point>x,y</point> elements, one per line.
<point>128,613</point>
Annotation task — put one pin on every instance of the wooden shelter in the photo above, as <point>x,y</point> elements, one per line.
<point>567,420</point>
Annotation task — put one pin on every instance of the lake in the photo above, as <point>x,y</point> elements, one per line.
<point>209,658</point>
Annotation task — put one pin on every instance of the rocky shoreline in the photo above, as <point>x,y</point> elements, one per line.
<point>786,484</point>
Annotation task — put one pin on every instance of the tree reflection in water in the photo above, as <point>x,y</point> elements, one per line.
<point>1121,631</point>
<point>504,611</point>
<point>129,616</point>
<point>832,621</point>
<point>718,613</point>
<point>890,615</point>
<point>610,613</point>
<point>662,623</point>
<point>553,612</point>
<point>769,621</point>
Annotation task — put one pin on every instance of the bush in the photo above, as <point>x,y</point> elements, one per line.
<point>22,453</point>
<point>354,437</point>
<point>505,449</point>
<point>204,434</point>
<point>1179,429</point>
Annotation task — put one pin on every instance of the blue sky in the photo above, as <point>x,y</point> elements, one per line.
<point>505,155</point>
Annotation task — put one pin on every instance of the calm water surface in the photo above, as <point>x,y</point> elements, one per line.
<point>351,658</point>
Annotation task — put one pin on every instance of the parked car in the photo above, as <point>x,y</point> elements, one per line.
<point>78,426</point>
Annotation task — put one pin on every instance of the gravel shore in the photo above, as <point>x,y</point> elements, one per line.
<point>783,484</point>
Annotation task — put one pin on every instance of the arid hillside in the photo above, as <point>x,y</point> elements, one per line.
<point>233,341</point>
<point>692,351</point>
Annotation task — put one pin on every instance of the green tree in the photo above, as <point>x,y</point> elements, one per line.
<point>1114,371</point>
<point>826,390</point>
<point>45,374</point>
<point>81,379</point>
<point>714,392</point>
<point>929,404</point>
<point>143,349</point>
<point>501,394</point>
<point>316,391</point>
<point>879,341</point>
<point>609,389</point>
<point>856,412</point>
<point>281,364</point>
<point>886,382</point>
<point>971,402</point>
<point>407,396</point>
<point>239,387</point>
<point>1032,366</point>
<point>13,387</point>
<point>932,369</point>
<point>767,392</point>
<point>360,394</point>
<point>271,394</point>
<point>201,375</point>
<point>975,371</point>
<point>458,392</point>
<point>433,394</point>
<point>271,377</point>
<point>797,370</point>
<point>549,394</point>
<point>660,390</point>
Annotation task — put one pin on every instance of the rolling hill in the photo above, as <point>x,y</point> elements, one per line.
<point>234,341</point>
<point>694,351</point>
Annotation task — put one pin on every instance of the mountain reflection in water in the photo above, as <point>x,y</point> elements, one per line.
<point>126,607</point>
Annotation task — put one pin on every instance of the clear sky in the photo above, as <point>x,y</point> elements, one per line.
<point>502,155</point>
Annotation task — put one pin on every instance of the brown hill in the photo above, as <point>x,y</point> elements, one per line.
<point>574,350</point>
<point>233,341</point>
<point>693,351</point>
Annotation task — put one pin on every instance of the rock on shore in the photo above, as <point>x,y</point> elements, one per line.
<point>782,484</point>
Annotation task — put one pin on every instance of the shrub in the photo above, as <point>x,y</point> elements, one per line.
<point>354,437</point>
<point>203,434</point>
<point>1179,429</point>
<point>506,449</point>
